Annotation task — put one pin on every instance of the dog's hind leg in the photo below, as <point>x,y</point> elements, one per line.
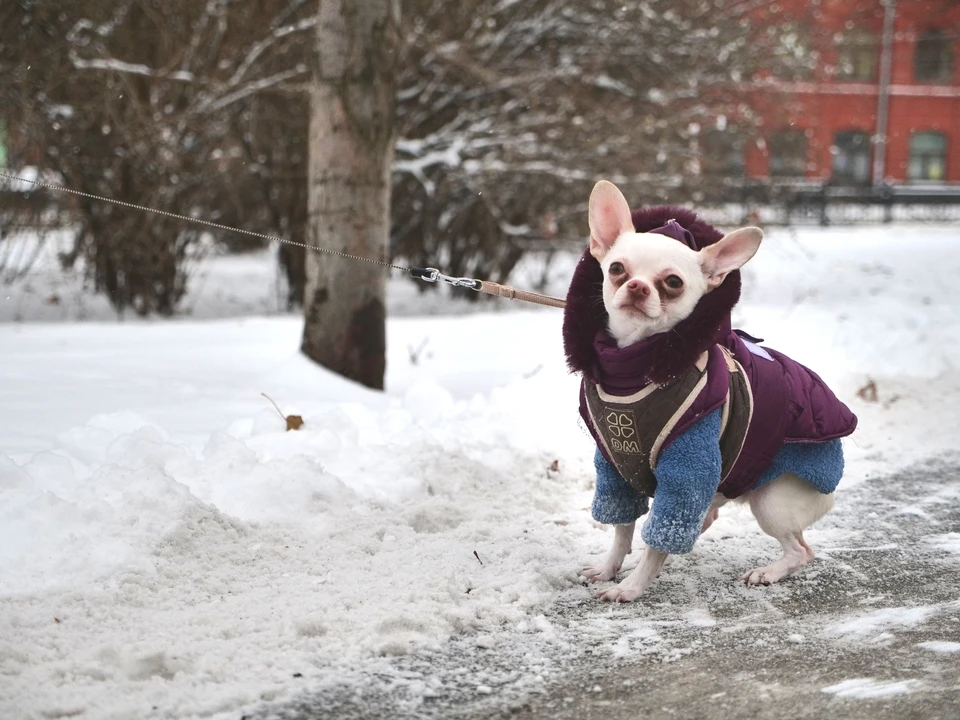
<point>784,508</point>
<point>611,564</point>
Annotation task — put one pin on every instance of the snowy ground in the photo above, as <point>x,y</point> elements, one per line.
<point>167,550</point>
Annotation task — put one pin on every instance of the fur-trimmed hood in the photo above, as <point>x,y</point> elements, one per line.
<point>585,316</point>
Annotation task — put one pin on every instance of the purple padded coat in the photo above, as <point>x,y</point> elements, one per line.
<point>791,403</point>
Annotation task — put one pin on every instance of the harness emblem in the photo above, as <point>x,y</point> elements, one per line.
<point>622,431</point>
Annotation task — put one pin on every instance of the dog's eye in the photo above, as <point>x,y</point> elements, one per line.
<point>673,282</point>
<point>616,268</point>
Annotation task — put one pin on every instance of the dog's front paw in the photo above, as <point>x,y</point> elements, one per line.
<point>603,572</point>
<point>632,587</point>
<point>620,593</point>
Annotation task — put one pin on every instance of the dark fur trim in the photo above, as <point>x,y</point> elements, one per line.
<point>585,315</point>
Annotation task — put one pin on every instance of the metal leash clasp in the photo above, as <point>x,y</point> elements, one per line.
<point>433,275</point>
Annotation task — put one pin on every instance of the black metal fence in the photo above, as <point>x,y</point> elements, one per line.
<point>824,203</point>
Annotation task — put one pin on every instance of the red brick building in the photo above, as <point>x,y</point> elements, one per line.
<point>879,99</point>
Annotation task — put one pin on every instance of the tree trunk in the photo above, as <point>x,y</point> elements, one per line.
<point>351,152</point>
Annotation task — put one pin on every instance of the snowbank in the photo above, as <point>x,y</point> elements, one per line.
<point>139,551</point>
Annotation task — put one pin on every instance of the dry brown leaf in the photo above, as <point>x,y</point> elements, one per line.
<point>868,393</point>
<point>294,422</point>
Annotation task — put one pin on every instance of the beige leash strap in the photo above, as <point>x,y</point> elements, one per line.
<point>426,274</point>
<point>432,275</point>
<point>504,291</point>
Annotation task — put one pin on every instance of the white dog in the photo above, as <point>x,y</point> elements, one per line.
<point>684,409</point>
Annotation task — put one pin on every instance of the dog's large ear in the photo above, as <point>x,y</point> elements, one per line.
<point>729,253</point>
<point>609,218</point>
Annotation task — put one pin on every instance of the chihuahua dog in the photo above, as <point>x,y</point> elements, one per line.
<point>685,410</point>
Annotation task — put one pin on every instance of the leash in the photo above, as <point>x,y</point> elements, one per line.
<point>430,275</point>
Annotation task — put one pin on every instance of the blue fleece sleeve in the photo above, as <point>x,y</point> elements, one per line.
<point>615,502</point>
<point>688,475</point>
<point>820,464</point>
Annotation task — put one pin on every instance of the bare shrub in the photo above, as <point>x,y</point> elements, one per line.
<point>188,107</point>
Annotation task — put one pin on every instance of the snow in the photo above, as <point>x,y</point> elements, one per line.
<point>948,541</point>
<point>941,646</point>
<point>872,622</point>
<point>868,688</point>
<point>164,542</point>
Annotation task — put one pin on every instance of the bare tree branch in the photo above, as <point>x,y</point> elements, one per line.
<point>260,47</point>
<point>119,66</point>
<point>253,88</point>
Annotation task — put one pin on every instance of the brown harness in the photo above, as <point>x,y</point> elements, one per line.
<point>634,428</point>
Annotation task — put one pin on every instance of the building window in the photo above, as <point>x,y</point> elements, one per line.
<point>722,152</point>
<point>857,56</point>
<point>928,156</point>
<point>788,153</point>
<point>851,156</point>
<point>933,58</point>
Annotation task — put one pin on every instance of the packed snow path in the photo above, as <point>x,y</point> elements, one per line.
<point>871,631</point>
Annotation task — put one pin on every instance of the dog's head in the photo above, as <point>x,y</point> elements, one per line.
<point>650,281</point>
